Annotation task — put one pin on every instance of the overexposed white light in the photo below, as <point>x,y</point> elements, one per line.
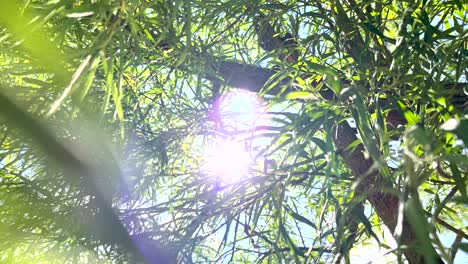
<point>227,159</point>
<point>372,252</point>
<point>240,109</point>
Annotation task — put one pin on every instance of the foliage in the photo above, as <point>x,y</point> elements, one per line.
<point>107,108</point>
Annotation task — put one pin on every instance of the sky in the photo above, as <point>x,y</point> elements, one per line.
<point>241,110</point>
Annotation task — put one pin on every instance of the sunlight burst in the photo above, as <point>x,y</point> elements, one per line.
<point>228,160</point>
<point>239,110</point>
<point>228,157</point>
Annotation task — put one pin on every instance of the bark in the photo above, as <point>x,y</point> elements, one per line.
<point>371,184</point>
<point>254,79</point>
<point>386,204</point>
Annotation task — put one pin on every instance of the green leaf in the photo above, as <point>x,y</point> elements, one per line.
<point>36,42</point>
<point>300,95</point>
<point>293,248</point>
<point>107,221</point>
<point>288,141</point>
<point>409,116</point>
<point>300,218</point>
<point>418,223</point>
<point>461,183</point>
<point>70,87</point>
<point>457,126</point>
<point>89,79</point>
<point>374,30</point>
<point>331,77</point>
<point>321,144</point>
<point>359,214</point>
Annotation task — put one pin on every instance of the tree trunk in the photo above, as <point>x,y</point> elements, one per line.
<point>386,205</point>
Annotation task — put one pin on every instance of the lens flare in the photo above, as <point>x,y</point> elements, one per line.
<point>228,160</point>
<point>227,157</point>
<point>239,110</point>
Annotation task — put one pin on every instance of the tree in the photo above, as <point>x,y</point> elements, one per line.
<point>109,106</point>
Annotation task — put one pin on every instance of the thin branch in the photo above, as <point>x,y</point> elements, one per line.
<point>448,226</point>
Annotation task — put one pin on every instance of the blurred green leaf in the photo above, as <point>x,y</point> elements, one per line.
<point>21,25</point>
<point>459,180</point>
<point>300,218</point>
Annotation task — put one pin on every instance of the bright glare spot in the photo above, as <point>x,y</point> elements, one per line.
<point>450,125</point>
<point>227,160</point>
<point>235,113</point>
<point>240,110</point>
<point>371,252</point>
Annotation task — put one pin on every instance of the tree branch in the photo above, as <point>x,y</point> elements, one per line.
<point>371,184</point>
